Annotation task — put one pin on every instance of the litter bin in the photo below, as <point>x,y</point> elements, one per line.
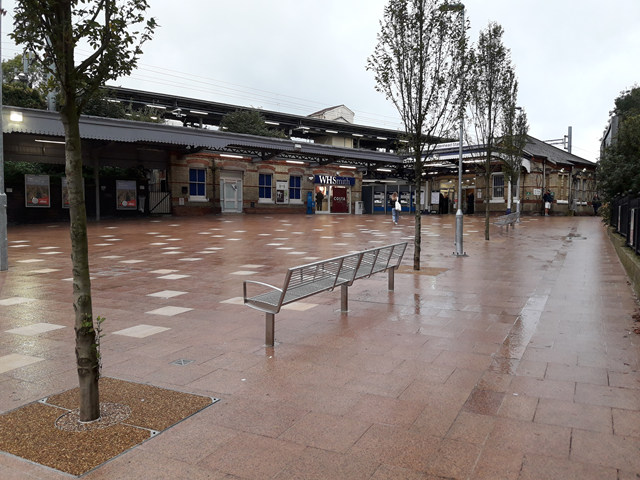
<point>359,208</point>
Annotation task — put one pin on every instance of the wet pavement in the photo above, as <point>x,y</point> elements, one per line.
<point>517,362</point>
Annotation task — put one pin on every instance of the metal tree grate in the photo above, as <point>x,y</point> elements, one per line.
<point>181,362</point>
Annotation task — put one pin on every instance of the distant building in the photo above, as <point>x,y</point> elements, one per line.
<point>609,137</point>
<point>339,113</point>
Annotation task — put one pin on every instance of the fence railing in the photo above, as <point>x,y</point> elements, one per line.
<point>625,218</point>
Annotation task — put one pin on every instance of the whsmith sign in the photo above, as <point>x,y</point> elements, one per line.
<point>329,180</point>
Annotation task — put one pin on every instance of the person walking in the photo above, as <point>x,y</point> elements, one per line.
<point>547,199</point>
<point>395,208</point>
<point>596,204</point>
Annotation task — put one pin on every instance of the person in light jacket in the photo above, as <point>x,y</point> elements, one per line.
<point>395,208</point>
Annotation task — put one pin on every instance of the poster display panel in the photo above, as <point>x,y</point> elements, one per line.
<point>126,194</point>
<point>282,191</point>
<point>37,191</point>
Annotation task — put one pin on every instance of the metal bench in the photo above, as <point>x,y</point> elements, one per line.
<point>307,280</point>
<point>507,220</point>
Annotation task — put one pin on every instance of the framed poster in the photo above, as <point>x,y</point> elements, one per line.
<point>282,191</point>
<point>37,191</point>
<point>65,192</point>
<point>126,194</point>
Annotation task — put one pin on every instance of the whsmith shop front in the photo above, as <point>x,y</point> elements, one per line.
<point>332,194</point>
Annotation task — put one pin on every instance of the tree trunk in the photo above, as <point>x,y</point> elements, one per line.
<point>487,197</point>
<point>418,240</point>
<point>86,353</point>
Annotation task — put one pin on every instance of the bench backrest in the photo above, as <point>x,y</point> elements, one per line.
<point>380,259</point>
<point>333,272</point>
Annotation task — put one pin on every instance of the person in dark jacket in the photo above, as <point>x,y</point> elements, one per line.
<point>547,199</point>
<point>319,199</point>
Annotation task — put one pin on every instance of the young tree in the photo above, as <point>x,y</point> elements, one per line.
<point>115,31</point>
<point>418,65</point>
<point>250,122</point>
<point>493,90</point>
<point>515,128</point>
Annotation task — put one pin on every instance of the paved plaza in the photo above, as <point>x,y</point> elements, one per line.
<point>516,363</point>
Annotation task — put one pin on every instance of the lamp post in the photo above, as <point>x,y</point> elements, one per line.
<point>4,254</point>
<point>459,7</point>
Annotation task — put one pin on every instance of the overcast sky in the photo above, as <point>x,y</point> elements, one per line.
<point>572,57</point>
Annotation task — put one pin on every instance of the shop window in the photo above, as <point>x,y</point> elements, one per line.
<point>294,189</point>
<point>498,187</point>
<point>197,183</point>
<point>265,188</point>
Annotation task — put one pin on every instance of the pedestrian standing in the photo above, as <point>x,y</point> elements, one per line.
<point>395,208</point>
<point>319,199</point>
<point>470,203</point>
<point>547,199</point>
<point>596,204</point>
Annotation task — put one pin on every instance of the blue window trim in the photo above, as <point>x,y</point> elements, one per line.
<point>265,187</point>
<point>197,182</point>
<point>295,184</point>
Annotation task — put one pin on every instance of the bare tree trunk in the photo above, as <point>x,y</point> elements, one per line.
<point>86,353</point>
<point>487,197</point>
<point>418,240</point>
<point>418,227</point>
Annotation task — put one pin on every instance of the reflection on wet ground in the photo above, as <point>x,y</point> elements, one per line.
<point>516,362</point>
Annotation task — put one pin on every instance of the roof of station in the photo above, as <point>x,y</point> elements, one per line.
<point>48,124</point>
<point>193,111</point>
<point>445,157</point>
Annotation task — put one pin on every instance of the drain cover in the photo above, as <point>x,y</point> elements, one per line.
<point>182,362</point>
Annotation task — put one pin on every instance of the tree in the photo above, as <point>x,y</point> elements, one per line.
<point>618,168</point>
<point>19,95</point>
<point>493,90</point>
<point>418,65</point>
<point>115,31</point>
<point>515,128</point>
<point>35,75</point>
<point>250,122</point>
<point>103,104</point>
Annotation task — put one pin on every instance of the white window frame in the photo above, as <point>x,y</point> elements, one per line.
<point>198,198</point>
<point>295,200</point>
<point>494,198</point>
<point>265,199</point>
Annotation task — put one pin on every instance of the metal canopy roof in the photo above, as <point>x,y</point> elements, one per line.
<point>46,123</point>
<point>210,113</point>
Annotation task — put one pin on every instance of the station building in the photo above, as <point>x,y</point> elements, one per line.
<point>192,167</point>
<point>570,179</point>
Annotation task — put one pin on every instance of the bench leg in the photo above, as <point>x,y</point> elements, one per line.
<point>344,298</point>
<point>270,330</point>
<point>392,278</point>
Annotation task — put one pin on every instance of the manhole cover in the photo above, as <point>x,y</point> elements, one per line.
<point>182,362</point>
